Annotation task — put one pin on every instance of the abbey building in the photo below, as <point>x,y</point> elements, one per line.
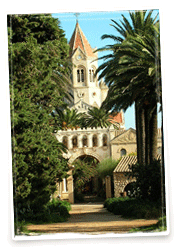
<point>100,143</point>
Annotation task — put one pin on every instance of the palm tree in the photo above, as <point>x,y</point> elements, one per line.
<point>67,118</point>
<point>97,117</point>
<point>140,57</point>
<point>130,72</point>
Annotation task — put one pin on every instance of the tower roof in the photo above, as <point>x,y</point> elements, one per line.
<point>78,39</point>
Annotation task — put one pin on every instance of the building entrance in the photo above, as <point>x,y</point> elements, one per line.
<point>86,180</point>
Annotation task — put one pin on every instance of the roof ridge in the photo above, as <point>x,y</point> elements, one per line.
<point>79,40</point>
<point>80,31</point>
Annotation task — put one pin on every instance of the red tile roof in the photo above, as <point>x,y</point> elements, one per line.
<point>78,39</point>
<point>116,118</point>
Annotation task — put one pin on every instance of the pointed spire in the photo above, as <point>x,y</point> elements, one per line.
<point>77,14</point>
<point>78,40</point>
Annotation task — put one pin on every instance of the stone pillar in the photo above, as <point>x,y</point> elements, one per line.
<point>70,146</point>
<point>70,187</point>
<point>79,137</point>
<point>89,140</point>
<point>100,140</point>
<point>108,187</point>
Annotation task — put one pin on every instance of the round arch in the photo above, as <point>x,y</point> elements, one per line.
<point>82,153</point>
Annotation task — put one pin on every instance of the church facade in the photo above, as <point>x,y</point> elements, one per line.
<point>88,92</point>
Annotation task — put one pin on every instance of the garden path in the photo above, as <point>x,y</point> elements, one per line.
<point>92,218</point>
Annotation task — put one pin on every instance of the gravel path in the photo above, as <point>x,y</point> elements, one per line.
<point>92,218</point>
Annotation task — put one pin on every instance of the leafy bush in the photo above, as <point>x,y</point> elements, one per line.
<point>148,180</point>
<point>54,211</point>
<point>61,208</point>
<point>106,167</point>
<point>85,169</point>
<point>131,207</point>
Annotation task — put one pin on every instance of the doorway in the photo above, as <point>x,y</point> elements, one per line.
<point>86,180</point>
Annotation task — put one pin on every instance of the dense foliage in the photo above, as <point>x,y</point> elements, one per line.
<point>54,211</point>
<point>132,71</point>
<point>97,117</point>
<point>39,67</point>
<point>135,208</point>
<point>68,118</point>
<point>106,167</point>
<point>148,180</point>
<point>84,170</point>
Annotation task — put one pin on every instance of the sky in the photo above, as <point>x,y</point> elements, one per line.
<point>94,25</point>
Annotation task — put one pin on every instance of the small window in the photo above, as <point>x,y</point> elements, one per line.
<point>74,142</point>
<point>123,152</point>
<point>65,141</point>
<point>85,141</point>
<point>94,141</point>
<point>91,75</point>
<point>105,140</point>
<point>78,75</point>
<point>82,75</point>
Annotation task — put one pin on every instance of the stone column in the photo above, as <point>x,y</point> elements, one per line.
<point>70,187</point>
<point>108,187</point>
<point>89,136</point>
<point>79,139</point>
<point>70,146</point>
<point>100,139</point>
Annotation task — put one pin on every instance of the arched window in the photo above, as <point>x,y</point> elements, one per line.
<point>94,141</point>
<point>105,140</point>
<point>80,75</point>
<point>65,141</point>
<point>74,142</point>
<point>123,152</point>
<point>91,75</point>
<point>84,141</point>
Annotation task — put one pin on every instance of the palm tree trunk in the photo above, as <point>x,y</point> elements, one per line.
<point>140,132</point>
<point>147,133</point>
<point>153,134</point>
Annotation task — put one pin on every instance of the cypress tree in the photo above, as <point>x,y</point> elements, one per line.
<point>39,68</point>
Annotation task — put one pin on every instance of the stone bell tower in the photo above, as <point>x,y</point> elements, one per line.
<point>86,89</point>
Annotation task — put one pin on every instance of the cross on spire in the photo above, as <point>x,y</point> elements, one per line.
<point>77,14</point>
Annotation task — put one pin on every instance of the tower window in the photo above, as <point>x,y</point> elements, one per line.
<point>91,75</point>
<point>80,75</point>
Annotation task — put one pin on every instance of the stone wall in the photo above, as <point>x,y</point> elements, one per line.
<point>120,182</point>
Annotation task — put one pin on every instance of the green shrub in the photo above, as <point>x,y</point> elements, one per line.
<point>106,167</point>
<point>148,180</point>
<point>133,208</point>
<point>58,209</point>
<point>54,211</point>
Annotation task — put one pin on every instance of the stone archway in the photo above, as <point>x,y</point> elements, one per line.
<point>70,182</point>
<point>82,153</point>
